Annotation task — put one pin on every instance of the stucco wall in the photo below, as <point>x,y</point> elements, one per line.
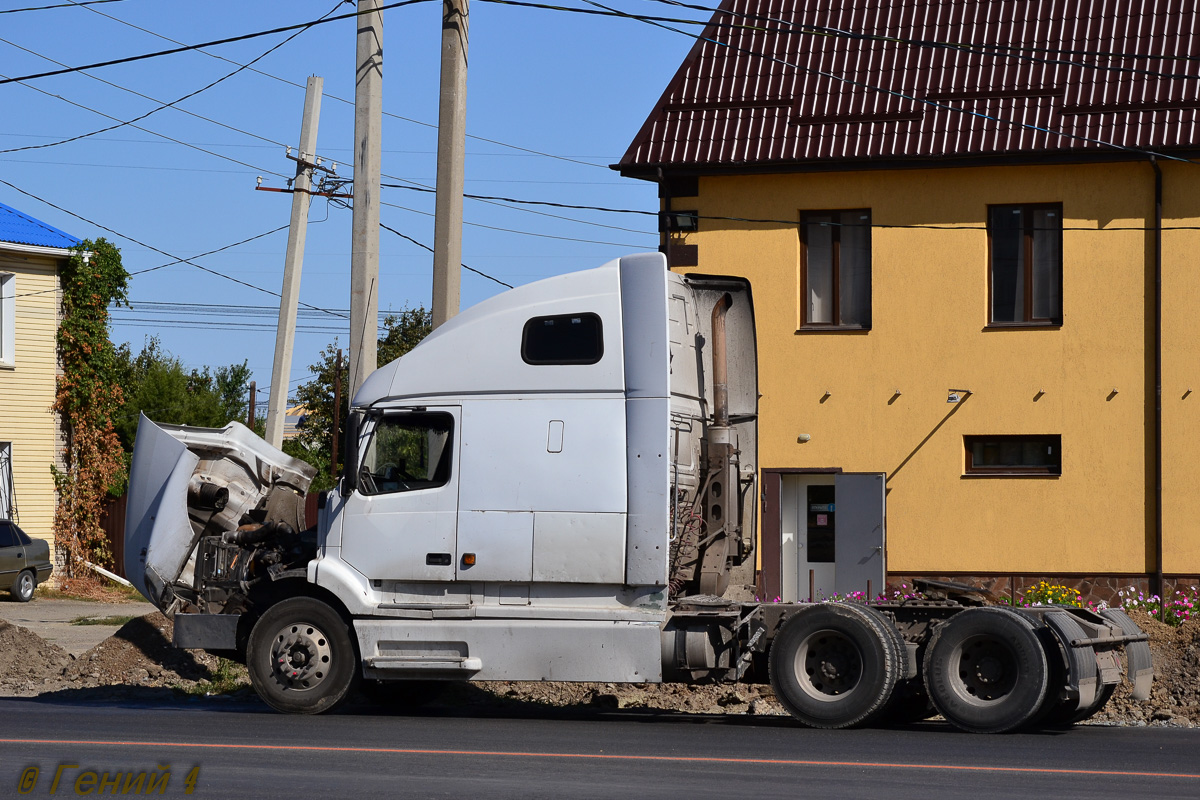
<point>928,335</point>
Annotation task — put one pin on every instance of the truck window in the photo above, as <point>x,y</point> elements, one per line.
<point>407,452</point>
<point>563,339</point>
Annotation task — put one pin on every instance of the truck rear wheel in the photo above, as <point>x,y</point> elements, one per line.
<point>834,666</point>
<point>986,670</point>
<point>300,657</point>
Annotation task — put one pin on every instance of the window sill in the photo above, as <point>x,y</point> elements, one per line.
<point>1043,475</point>
<point>833,329</point>
<point>7,365</point>
<point>1008,326</point>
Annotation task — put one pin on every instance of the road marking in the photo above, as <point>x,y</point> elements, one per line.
<point>612,757</point>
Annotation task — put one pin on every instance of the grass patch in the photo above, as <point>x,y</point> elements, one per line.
<point>108,592</point>
<point>117,620</point>
<point>229,677</point>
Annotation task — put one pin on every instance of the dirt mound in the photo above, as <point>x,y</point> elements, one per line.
<point>27,659</point>
<point>1175,698</point>
<point>141,654</point>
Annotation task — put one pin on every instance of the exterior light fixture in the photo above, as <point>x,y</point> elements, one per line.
<point>957,395</point>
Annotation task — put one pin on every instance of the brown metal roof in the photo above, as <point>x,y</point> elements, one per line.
<point>783,98</point>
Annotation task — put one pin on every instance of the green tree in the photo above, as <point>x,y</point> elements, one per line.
<point>158,385</point>
<point>402,332</point>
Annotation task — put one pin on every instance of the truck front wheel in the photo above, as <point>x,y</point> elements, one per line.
<point>301,658</point>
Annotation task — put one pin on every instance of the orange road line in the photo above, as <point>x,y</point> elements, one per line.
<point>612,756</point>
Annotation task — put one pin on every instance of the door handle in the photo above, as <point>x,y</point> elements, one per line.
<point>437,559</point>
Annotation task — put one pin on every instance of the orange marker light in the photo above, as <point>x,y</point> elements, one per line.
<point>468,559</point>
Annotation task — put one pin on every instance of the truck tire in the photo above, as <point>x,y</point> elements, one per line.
<point>1064,716</point>
<point>301,658</point>
<point>986,670</point>
<point>834,665</point>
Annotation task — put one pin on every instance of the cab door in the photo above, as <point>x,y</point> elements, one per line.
<point>400,524</point>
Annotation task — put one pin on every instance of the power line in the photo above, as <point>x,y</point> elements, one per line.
<point>215,42</point>
<point>159,250</point>
<point>160,135</point>
<point>1003,51</point>
<point>187,96</point>
<point>162,105</point>
<point>527,150</point>
<point>859,84</point>
<point>430,249</point>
<point>60,5</point>
<point>513,230</point>
<point>932,42</point>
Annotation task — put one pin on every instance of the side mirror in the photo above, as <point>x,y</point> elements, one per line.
<point>350,465</point>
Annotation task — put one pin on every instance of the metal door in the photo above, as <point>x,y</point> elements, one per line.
<point>12,554</point>
<point>860,558</point>
<point>401,522</point>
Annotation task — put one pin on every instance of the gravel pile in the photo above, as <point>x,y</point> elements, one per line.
<point>139,659</point>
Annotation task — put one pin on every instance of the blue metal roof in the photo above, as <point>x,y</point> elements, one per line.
<point>23,229</point>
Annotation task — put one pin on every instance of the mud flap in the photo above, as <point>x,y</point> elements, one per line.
<point>1141,668</point>
<point>1081,660</point>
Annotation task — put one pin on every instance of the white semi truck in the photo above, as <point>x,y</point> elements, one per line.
<point>559,484</point>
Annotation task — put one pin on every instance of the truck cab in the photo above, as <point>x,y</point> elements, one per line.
<point>525,492</point>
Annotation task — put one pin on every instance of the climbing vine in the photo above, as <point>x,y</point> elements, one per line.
<point>86,400</point>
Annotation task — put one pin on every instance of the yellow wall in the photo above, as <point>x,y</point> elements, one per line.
<point>27,390</point>
<point>929,311</point>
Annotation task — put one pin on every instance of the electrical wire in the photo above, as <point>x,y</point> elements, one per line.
<point>60,5</point>
<point>213,43</point>
<point>160,135</point>
<point>513,230</point>
<point>162,105</point>
<point>187,261</point>
<point>430,249</point>
<point>346,101</point>
<point>862,85</point>
<point>934,42</point>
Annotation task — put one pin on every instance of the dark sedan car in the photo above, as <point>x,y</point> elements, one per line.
<point>24,562</point>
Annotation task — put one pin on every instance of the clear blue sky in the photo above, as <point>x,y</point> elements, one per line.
<point>565,84</point>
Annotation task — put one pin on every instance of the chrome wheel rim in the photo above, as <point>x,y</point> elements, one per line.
<point>301,657</point>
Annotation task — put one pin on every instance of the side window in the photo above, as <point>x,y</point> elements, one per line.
<point>1001,456</point>
<point>407,452</point>
<point>1025,264</point>
<point>836,269</point>
<point>563,339</point>
<point>7,537</point>
<point>8,325</point>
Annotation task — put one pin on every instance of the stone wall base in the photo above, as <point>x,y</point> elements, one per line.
<point>1092,588</point>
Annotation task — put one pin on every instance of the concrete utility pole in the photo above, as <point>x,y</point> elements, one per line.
<point>452,136</point>
<point>285,334</point>
<point>364,236</point>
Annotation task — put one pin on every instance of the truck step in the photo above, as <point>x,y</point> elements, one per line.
<point>424,664</point>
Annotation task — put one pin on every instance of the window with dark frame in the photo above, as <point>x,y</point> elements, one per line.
<point>563,339</point>
<point>1002,456</point>
<point>1025,264</point>
<point>836,268</point>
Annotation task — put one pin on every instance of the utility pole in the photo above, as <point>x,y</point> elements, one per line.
<point>452,135</point>
<point>250,407</point>
<point>337,416</point>
<point>285,334</point>
<point>364,236</point>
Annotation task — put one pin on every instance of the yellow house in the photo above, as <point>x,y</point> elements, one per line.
<point>31,254</point>
<point>975,281</point>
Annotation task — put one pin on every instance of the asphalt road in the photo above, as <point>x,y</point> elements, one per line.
<point>243,750</point>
